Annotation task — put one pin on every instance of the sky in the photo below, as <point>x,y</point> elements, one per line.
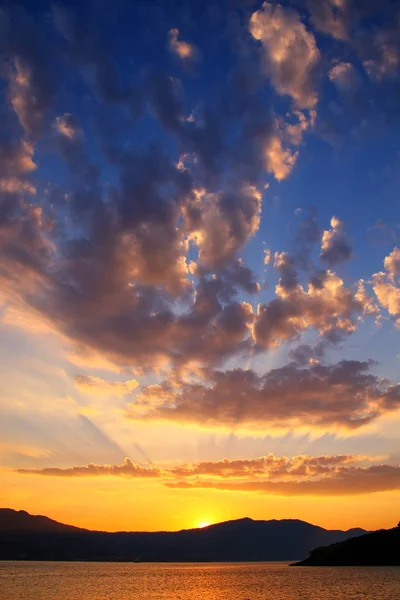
<point>200,261</point>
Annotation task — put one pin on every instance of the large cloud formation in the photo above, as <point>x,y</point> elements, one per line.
<point>128,197</point>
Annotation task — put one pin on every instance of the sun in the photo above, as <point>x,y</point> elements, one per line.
<point>203,524</point>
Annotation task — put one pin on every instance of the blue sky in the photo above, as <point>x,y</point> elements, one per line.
<point>199,246</point>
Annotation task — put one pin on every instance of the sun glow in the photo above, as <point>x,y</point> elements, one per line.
<point>203,524</point>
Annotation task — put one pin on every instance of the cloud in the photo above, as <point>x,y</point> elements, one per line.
<point>335,247</point>
<point>387,293</point>
<point>132,250</point>
<point>370,307</point>
<point>345,482</point>
<point>99,386</point>
<point>14,185</point>
<point>22,97</point>
<point>280,161</point>
<point>340,475</point>
<point>281,148</point>
<point>183,50</point>
<point>273,466</point>
<point>325,305</point>
<point>31,81</point>
<point>331,17</point>
<point>117,256</point>
<point>16,157</point>
<point>308,234</point>
<point>386,285</point>
<point>345,394</point>
<point>392,263</point>
<point>221,224</point>
<point>345,77</point>
<point>267,256</point>
<point>306,354</point>
<point>128,469</point>
<point>291,53</point>
<point>381,52</point>
<point>67,126</point>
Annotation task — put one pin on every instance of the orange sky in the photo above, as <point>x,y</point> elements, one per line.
<point>112,505</point>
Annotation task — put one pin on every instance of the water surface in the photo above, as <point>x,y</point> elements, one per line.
<point>239,581</point>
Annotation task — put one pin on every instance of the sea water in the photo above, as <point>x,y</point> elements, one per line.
<point>192,581</point>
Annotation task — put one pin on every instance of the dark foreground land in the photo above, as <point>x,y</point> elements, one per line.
<point>27,537</point>
<point>380,548</point>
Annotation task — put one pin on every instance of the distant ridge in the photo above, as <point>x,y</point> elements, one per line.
<point>27,537</point>
<point>22,522</point>
<point>380,548</point>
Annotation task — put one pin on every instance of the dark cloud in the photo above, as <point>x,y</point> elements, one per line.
<point>306,354</point>
<point>326,306</point>
<point>331,17</point>
<point>345,394</point>
<point>309,234</point>
<point>28,68</point>
<point>335,247</point>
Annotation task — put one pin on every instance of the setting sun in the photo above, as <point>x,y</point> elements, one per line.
<point>203,524</point>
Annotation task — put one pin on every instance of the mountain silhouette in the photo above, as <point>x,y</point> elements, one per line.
<point>27,537</point>
<point>374,549</point>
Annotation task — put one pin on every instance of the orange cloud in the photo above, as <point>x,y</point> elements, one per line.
<point>346,481</point>
<point>291,54</point>
<point>273,466</point>
<point>67,127</point>
<point>301,475</point>
<point>183,50</point>
<point>387,285</point>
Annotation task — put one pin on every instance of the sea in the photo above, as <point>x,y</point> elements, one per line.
<point>192,581</point>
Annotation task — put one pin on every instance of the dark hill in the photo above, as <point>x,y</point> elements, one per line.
<point>374,549</point>
<point>23,536</point>
<point>22,522</point>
